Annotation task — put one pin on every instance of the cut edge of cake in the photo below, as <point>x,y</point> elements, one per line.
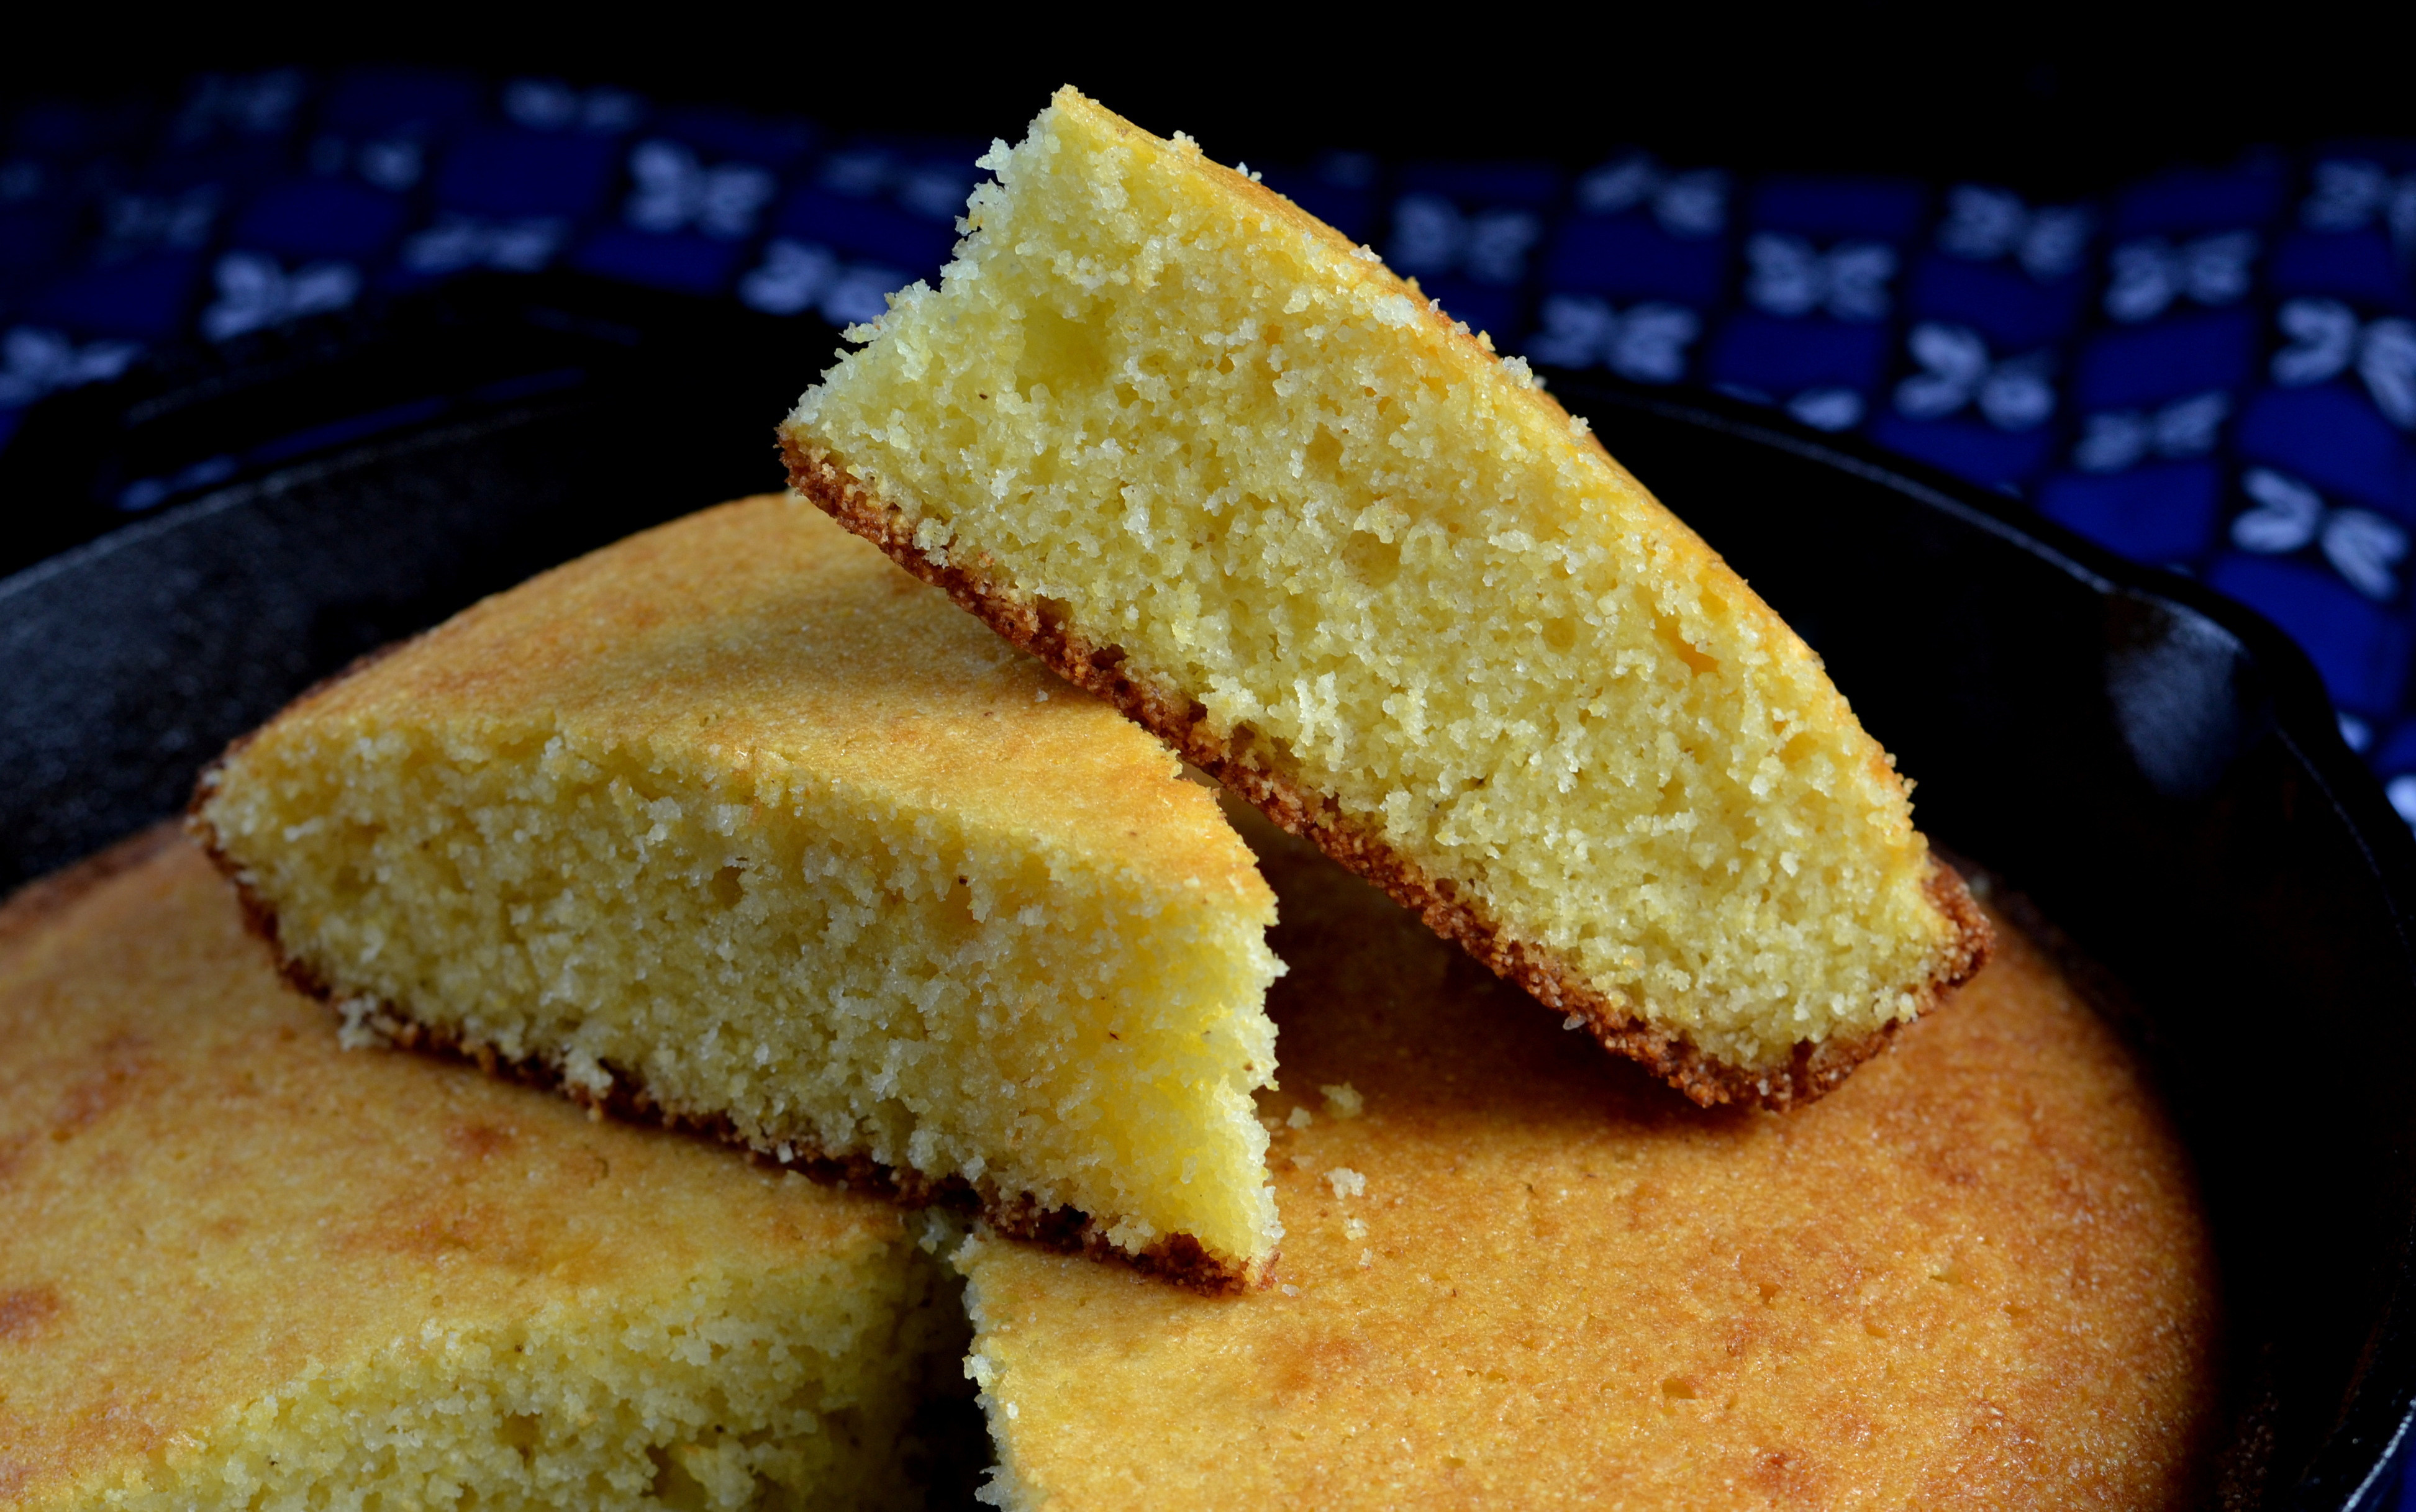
<point>896,1290</point>
<point>1179,1258</point>
<point>824,479</point>
<point>1176,1258</point>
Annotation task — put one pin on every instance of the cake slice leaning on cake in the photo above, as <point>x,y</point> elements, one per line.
<point>737,825</point>
<point>1209,459</point>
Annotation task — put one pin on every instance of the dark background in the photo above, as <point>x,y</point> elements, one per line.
<point>2056,102</point>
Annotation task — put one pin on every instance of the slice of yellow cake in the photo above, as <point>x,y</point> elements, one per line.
<point>240,1267</point>
<point>736,824</point>
<point>1975,1275</point>
<point>1204,457</point>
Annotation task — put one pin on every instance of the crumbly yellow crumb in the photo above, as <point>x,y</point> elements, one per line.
<point>1156,405</point>
<point>243,1268</point>
<point>738,818</point>
<point>1976,1275</point>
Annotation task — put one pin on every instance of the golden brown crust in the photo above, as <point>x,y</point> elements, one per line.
<point>1815,1069</point>
<point>1177,1258</point>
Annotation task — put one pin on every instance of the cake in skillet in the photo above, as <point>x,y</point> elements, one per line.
<point>240,1267</point>
<point>1207,458</point>
<point>736,824</point>
<point>1976,1275</point>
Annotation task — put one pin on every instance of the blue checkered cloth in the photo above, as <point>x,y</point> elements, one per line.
<point>2213,371</point>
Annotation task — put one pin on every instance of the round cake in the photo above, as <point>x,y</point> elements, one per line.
<point>1517,1274</point>
<point>243,1268</point>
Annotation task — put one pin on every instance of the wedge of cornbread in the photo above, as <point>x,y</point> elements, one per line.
<point>736,824</point>
<point>1207,458</point>
<point>240,1267</point>
<point>1977,1274</point>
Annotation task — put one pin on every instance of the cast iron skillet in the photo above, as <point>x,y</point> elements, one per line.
<point>2156,767</point>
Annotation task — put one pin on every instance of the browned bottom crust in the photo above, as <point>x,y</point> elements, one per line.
<point>1181,723</point>
<point>1177,1258</point>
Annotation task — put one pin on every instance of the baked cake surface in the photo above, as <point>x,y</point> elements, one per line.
<point>1206,458</point>
<point>1975,1275</point>
<point>736,823</point>
<point>242,1267</point>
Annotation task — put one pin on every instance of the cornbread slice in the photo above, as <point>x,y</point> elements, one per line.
<point>1206,458</point>
<point>1976,1275</point>
<point>736,824</point>
<point>242,1268</point>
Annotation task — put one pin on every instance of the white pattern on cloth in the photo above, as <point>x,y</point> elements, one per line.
<point>2151,273</point>
<point>1430,237</point>
<point>1956,370</point>
<point>2362,546</point>
<point>258,104</point>
<point>2352,193</point>
<point>1827,409</point>
<point>2112,440</point>
<point>1690,204</point>
<point>1791,277</point>
<point>674,190</point>
<point>2326,337</point>
<point>35,361</point>
<point>459,241</point>
<point>1984,224</point>
<point>550,105</point>
<point>254,290</point>
<point>1646,341</point>
<point>796,276</point>
<point>134,223</point>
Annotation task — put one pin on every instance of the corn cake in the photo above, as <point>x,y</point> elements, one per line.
<point>242,1268</point>
<point>1210,460</point>
<point>736,824</point>
<point>1974,1275</point>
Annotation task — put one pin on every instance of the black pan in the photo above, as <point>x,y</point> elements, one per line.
<point>2154,766</point>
